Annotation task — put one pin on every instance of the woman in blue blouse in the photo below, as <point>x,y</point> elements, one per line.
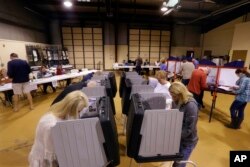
<point>242,97</point>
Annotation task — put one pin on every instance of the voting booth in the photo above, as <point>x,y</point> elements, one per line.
<point>111,77</point>
<point>153,134</point>
<point>91,141</point>
<point>108,90</point>
<point>129,83</point>
<point>132,74</point>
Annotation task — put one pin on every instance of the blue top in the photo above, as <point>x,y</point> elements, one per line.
<point>196,63</point>
<point>243,93</point>
<point>163,67</point>
<point>18,70</point>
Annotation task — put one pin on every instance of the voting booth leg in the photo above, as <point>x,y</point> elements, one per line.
<point>211,111</point>
<point>213,106</point>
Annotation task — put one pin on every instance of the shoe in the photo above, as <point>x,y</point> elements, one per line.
<point>31,107</point>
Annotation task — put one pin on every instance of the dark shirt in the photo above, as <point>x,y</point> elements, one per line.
<point>189,125</point>
<point>73,87</point>
<point>18,70</point>
<point>138,62</point>
<point>68,89</point>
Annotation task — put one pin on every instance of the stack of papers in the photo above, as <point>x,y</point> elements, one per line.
<point>226,88</point>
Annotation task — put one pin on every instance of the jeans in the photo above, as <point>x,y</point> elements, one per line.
<point>237,109</point>
<point>186,152</point>
<point>185,81</point>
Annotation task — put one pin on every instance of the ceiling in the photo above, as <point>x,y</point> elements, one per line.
<point>197,12</point>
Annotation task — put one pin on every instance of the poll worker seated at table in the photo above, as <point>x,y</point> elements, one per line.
<point>146,62</point>
<point>242,97</point>
<point>162,85</point>
<point>3,80</point>
<point>43,150</point>
<point>44,73</point>
<point>60,71</point>
<point>77,86</point>
<point>184,101</point>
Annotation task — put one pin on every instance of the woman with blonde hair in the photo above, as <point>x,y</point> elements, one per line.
<point>162,85</point>
<point>184,101</point>
<point>42,153</point>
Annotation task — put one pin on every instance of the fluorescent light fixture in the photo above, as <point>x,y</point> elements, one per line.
<point>67,3</point>
<point>168,11</point>
<point>172,3</point>
<point>164,9</point>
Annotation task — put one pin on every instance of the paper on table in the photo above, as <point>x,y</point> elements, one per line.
<point>226,88</point>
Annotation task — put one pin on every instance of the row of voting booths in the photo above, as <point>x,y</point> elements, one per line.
<point>220,80</point>
<point>152,132</point>
<point>91,141</point>
<point>48,55</point>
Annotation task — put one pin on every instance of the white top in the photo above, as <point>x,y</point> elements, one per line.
<point>163,89</point>
<point>42,153</point>
<point>187,68</point>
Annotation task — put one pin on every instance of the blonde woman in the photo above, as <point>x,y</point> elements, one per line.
<point>162,85</point>
<point>184,101</point>
<point>42,153</point>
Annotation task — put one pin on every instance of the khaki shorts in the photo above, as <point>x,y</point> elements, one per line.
<point>20,88</point>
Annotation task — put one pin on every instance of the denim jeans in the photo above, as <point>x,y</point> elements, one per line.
<point>185,81</point>
<point>186,152</point>
<point>237,109</point>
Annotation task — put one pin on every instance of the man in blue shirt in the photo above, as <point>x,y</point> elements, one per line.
<point>18,71</point>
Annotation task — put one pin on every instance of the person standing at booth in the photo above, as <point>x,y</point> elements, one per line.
<point>198,83</point>
<point>18,71</point>
<point>162,85</point>
<point>43,152</point>
<point>138,64</point>
<point>241,99</point>
<point>184,101</point>
<point>186,71</point>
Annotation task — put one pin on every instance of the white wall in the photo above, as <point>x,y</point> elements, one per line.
<point>9,46</point>
<point>241,39</point>
<point>219,40</point>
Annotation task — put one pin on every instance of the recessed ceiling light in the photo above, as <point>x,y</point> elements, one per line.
<point>68,4</point>
<point>164,9</point>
